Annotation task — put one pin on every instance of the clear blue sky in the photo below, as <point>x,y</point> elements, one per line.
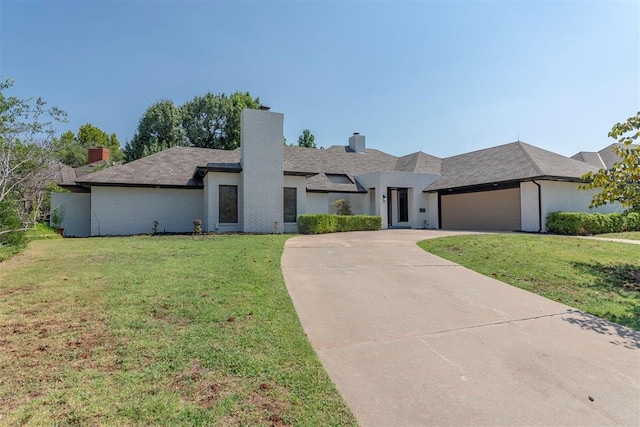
<point>444,77</point>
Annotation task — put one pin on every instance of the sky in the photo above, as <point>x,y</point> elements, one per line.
<point>442,77</point>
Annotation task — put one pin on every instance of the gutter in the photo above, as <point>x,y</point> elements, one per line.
<point>539,205</point>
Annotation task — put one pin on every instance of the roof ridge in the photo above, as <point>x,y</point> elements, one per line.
<point>521,145</point>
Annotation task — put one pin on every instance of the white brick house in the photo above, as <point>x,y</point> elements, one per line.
<point>263,186</point>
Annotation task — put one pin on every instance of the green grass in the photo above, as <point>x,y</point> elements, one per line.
<point>630,235</point>
<point>598,277</point>
<point>157,331</point>
<point>41,231</point>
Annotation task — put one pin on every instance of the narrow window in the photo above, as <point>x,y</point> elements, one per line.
<point>290,204</point>
<point>228,204</point>
<point>403,205</point>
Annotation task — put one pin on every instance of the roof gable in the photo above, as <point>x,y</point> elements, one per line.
<point>509,162</point>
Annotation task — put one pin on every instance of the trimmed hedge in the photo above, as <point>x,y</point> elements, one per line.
<point>580,223</point>
<point>326,223</point>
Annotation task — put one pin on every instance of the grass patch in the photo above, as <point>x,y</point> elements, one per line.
<point>155,331</point>
<point>41,231</point>
<point>629,235</point>
<point>599,277</point>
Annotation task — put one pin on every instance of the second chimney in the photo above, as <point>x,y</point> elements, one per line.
<point>97,154</point>
<point>356,143</point>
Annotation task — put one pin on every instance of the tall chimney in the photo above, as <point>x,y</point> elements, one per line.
<point>356,143</point>
<point>98,153</point>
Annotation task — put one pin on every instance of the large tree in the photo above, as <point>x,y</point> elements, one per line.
<point>26,150</point>
<point>621,183</point>
<point>158,129</point>
<point>307,139</point>
<point>213,121</point>
<point>73,149</point>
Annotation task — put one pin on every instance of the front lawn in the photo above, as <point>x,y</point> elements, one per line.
<point>157,331</point>
<point>598,277</point>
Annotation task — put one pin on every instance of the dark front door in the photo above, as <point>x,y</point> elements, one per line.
<point>403,205</point>
<point>389,208</point>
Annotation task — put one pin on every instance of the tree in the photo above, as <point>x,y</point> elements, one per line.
<point>73,150</point>
<point>158,129</point>
<point>26,149</point>
<point>621,183</point>
<point>69,151</point>
<point>306,139</point>
<point>213,121</point>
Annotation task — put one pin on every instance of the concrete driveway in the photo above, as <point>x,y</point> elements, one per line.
<point>412,339</point>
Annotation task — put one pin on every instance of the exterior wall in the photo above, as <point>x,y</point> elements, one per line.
<point>359,202</point>
<point>126,210</point>
<point>317,203</point>
<point>432,210</point>
<point>565,196</point>
<point>530,220</point>
<point>262,170</point>
<point>77,208</point>
<point>212,182</point>
<point>300,183</point>
<point>415,182</point>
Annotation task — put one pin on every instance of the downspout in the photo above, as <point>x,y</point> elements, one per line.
<point>539,205</point>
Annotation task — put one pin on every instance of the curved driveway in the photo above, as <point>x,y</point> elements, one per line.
<point>412,339</point>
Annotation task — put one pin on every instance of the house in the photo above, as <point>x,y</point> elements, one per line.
<point>263,186</point>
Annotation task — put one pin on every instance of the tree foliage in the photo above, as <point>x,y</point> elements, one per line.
<point>73,149</point>
<point>26,150</point>
<point>307,139</point>
<point>159,128</point>
<point>621,183</point>
<point>208,121</point>
<point>213,121</point>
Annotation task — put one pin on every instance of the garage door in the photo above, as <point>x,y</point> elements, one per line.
<point>483,210</point>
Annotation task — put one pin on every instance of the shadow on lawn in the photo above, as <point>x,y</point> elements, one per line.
<point>620,279</point>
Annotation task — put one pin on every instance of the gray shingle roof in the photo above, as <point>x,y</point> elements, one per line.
<point>509,162</point>
<point>176,166</point>
<point>172,168</point>
<point>604,158</point>
<point>589,157</point>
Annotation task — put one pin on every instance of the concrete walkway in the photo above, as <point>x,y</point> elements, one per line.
<point>412,339</point>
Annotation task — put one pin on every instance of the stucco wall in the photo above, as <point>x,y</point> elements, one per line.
<point>262,170</point>
<point>415,182</point>
<point>359,202</point>
<point>77,208</point>
<point>556,196</point>
<point>317,203</point>
<point>432,210</point>
<point>126,210</point>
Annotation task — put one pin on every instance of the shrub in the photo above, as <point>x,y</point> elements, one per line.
<point>325,223</point>
<point>343,207</point>
<point>10,221</point>
<point>575,223</point>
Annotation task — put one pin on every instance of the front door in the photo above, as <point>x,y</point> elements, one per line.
<point>389,208</point>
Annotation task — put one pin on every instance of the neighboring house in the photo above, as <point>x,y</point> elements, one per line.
<point>263,186</point>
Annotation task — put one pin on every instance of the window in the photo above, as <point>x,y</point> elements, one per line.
<point>338,178</point>
<point>290,204</point>
<point>403,205</point>
<point>228,204</point>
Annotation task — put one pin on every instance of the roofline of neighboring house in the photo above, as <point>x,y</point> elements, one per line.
<point>502,184</point>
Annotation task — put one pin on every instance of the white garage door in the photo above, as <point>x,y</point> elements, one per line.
<point>484,210</point>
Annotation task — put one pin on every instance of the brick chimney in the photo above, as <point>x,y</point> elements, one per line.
<point>98,153</point>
